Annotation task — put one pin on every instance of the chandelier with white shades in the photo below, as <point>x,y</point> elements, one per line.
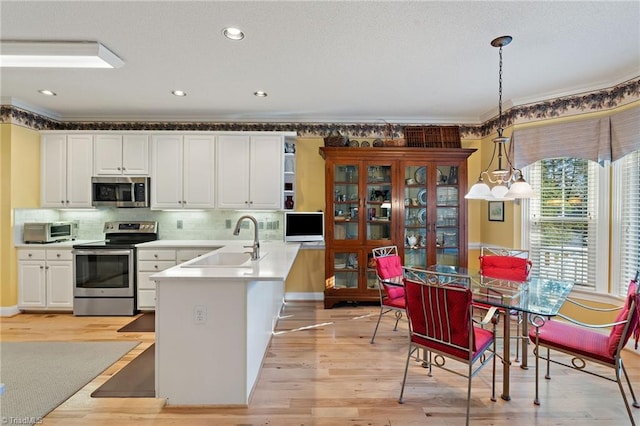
<point>507,181</point>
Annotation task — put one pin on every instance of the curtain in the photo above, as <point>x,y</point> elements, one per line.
<point>625,133</point>
<point>588,139</point>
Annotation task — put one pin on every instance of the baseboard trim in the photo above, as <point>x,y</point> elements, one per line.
<point>304,296</point>
<point>9,311</point>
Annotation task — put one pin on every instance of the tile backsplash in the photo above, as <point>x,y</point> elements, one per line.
<point>172,225</point>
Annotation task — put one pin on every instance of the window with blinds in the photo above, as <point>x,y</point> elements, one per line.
<point>563,231</point>
<point>626,221</point>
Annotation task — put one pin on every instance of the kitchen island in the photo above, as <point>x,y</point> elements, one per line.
<point>215,315</point>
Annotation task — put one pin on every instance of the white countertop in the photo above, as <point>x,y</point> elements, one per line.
<point>58,245</point>
<point>276,259</point>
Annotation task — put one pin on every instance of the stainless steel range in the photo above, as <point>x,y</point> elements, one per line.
<point>104,272</point>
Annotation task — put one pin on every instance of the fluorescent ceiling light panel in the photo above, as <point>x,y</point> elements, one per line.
<point>57,54</point>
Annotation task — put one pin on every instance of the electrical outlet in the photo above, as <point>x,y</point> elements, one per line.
<point>227,223</point>
<point>199,314</point>
<point>179,224</point>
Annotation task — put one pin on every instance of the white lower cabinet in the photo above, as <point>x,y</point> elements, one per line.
<point>151,261</point>
<point>45,279</point>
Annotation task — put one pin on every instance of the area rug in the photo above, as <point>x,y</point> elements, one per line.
<point>135,380</point>
<point>39,376</point>
<point>145,322</point>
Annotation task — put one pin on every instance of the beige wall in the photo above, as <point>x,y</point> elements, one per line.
<point>19,188</point>
<point>309,175</point>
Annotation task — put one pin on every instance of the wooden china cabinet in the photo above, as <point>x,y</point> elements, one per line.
<point>409,197</point>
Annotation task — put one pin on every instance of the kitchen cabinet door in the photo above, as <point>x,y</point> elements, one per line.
<point>166,174</point>
<point>45,279</point>
<point>121,155</point>
<point>59,279</point>
<point>182,172</point>
<point>198,172</point>
<point>31,284</point>
<point>67,167</point>
<point>249,172</point>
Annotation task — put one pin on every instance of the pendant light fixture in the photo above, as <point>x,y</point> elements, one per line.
<point>508,182</point>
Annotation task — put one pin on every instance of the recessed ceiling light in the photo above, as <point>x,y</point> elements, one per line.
<point>233,33</point>
<point>57,54</point>
<point>260,94</point>
<point>47,92</point>
<point>179,93</point>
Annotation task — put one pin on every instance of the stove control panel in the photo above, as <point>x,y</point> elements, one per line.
<point>126,227</point>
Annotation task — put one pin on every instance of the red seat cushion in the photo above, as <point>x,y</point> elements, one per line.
<point>390,268</point>
<point>616,331</point>
<point>560,335</point>
<point>394,292</point>
<point>505,267</point>
<point>397,302</point>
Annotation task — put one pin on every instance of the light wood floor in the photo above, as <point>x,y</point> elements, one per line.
<point>322,370</point>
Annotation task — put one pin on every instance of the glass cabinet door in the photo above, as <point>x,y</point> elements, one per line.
<point>345,202</point>
<point>345,268</point>
<point>431,215</point>
<point>378,203</point>
<point>447,224</point>
<point>416,243</point>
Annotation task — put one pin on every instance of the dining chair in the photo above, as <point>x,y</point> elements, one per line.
<point>390,284</point>
<point>506,264</point>
<point>440,312</point>
<point>584,344</point>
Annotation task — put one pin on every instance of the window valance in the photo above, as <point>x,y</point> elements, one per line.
<point>589,139</point>
<point>596,139</point>
<point>625,133</point>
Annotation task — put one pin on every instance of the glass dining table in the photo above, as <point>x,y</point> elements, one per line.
<point>535,296</point>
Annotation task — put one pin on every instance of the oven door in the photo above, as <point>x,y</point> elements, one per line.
<point>104,273</point>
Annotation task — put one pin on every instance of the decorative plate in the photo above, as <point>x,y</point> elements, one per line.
<point>378,142</point>
<point>422,216</point>
<point>365,144</point>
<point>422,197</point>
<point>421,175</point>
<point>354,144</point>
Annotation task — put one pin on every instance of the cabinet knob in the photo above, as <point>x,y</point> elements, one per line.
<point>30,254</point>
<point>58,255</point>
<point>184,202</point>
<point>46,267</point>
<point>119,168</point>
<point>155,255</point>
<point>155,266</point>
<point>41,267</point>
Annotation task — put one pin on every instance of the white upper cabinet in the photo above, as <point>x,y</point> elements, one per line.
<point>121,155</point>
<point>182,171</point>
<point>66,170</point>
<point>249,171</point>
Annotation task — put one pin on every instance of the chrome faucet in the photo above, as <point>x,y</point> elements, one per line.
<point>255,254</point>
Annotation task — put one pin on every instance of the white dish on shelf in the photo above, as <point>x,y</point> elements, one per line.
<point>422,216</point>
<point>422,197</point>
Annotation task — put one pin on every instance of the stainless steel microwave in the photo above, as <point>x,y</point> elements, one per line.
<point>49,232</point>
<point>120,191</point>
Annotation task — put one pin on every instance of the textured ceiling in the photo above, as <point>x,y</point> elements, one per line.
<point>417,61</point>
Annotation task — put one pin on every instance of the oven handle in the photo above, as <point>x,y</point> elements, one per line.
<point>86,252</point>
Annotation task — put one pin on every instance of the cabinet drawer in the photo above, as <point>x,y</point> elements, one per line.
<point>156,255</point>
<point>59,255</point>
<point>155,266</point>
<point>29,254</point>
